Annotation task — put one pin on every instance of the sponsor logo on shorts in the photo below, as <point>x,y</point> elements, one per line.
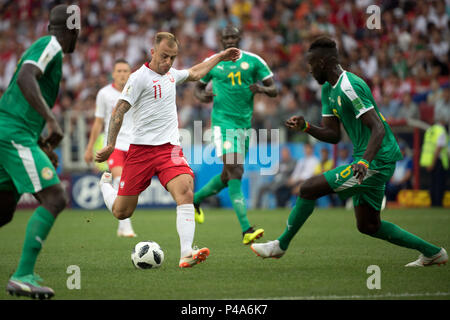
<point>47,173</point>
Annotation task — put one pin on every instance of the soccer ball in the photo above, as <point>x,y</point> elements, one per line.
<point>147,255</point>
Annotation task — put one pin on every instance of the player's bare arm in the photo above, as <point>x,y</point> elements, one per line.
<point>269,88</point>
<point>371,120</point>
<point>95,132</point>
<point>114,127</point>
<point>27,82</point>
<point>200,70</point>
<point>330,131</point>
<point>202,94</point>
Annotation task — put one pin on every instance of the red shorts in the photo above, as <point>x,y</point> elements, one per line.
<point>143,162</point>
<point>117,158</point>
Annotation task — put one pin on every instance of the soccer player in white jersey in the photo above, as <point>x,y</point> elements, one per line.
<point>150,95</point>
<point>106,100</point>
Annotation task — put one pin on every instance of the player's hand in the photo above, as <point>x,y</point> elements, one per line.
<point>255,88</point>
<point>359,171</point>
<point>231,54</point>
<point>296,123</point>
<point>49,152</point>
<point>207,96</point>
<point>55,134</point>
<point>88,156</point>
<point>104,153</point>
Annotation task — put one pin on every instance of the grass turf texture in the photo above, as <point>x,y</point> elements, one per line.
<point>327,259</point>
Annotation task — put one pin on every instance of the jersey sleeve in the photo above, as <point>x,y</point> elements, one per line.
<point>263,71</point>
<point>179,75</point>
<point>326,109</point>
<point>133,89</point>
<point>43,52</point>
<point>359,94</point>
<point>100,108</point>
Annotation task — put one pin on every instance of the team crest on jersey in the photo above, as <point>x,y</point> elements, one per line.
<point>336,113</point>
<point>122,184</point>
<point>245,65</point>
<point>47,173</point>
<point>171,78</point>
<point>339,101</point>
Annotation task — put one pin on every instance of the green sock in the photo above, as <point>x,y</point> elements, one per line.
<point>396,235</point>
<point>214,186</point>
<point>301,211</point>
<point>37,230</point>
<point>238,202</point>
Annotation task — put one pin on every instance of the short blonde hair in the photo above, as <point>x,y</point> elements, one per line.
<point>171,39</point>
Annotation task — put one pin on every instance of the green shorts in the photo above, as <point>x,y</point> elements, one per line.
<point>231,140</point>
<point>370,191</point>
<point>24,167</point>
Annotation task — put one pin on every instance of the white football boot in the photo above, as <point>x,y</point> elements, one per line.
<point>269,249</point>
<point>439,258</point>
<point>197,256</point>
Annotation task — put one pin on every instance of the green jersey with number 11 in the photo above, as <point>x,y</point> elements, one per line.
<point>348,100</point>
<point>233,100</point>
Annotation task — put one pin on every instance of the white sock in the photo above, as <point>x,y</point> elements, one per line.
<point>115,183</point>
<point>125,225</point>
<point>109,195</point>
<point>186,228</point>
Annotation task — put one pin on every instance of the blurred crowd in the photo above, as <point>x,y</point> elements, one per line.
<point>405,62</point>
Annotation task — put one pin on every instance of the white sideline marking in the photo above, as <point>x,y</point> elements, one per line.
<point>368,296</point>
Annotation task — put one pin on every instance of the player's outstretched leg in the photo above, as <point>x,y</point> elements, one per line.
<point>24,282</point>
<point>369,222</point>
<point>311,189</point>
<point>181,188</point>
<point>214,186</point>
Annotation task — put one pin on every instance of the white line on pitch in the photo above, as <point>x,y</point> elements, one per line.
<point>369,296</point>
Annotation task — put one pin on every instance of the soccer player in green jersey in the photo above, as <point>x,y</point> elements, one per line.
<point>25,108</point>
<point>347,100</point>
<point>234,84</point>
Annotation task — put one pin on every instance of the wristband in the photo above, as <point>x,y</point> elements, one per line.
<point>306,127</point>
<point>364,162</point>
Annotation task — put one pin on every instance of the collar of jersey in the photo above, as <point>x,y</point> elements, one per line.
<point>339,79</point>
<point>147,64</point>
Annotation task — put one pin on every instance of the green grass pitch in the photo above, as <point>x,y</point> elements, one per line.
<point>328,259</point>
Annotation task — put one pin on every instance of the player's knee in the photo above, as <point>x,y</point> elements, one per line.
<point>307,191</point>
<point>235,171</point>
<point>367,228</point>
<point>57,202</point>
<point>185,195</point>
